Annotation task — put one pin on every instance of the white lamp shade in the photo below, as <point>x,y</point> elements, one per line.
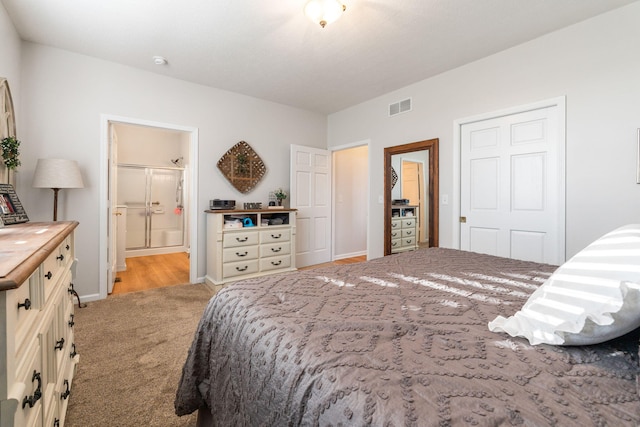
<point>57,173</point>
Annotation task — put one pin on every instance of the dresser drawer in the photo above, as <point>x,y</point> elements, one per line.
<point>272,236</point>
<point>396,243</point>
<point>408,232</point>
<point>274,263</point>
<point>408,241</point>
<point>27,308</point>
<point>396,234</point>
<point>396,223</point>
<point>408,223</point>
<point>29,411</point>
<point>240,253</point>
<point>240,268</point>
<point>247,238</point>
<point>275,249</point>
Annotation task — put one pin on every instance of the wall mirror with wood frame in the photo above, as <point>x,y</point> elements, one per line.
<point>420,162</point>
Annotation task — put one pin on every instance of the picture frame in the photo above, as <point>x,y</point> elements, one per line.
<point>11,209</point>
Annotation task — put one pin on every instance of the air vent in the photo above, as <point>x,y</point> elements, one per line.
<point>400,107</point>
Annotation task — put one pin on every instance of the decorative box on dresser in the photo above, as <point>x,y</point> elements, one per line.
<point>404,228</point>
<point>249,243</point>
<point>38,354</point>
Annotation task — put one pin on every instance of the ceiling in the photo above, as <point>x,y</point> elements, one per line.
<point>270,50</point>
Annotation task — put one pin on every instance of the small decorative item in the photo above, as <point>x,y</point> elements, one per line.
<point>242,167</point>
<point>394,177</point>
<point>11,210</point>
<point>280,196</point>
<point>10,152</point>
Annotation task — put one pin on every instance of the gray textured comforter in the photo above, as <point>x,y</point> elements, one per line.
<point>400,340</point>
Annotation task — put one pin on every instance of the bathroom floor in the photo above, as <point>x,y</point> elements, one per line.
<point>154,271</point>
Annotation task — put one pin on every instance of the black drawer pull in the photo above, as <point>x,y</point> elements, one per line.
<point>56,423</point>
<point>273,236</point>
<point>71,290</point>
<point>67,392</point>
<point>241,255</point>
<point>26,304</point>
<point>67,247</point>
<point>242,240</point>
<point>276,250</point>
<point>73,352</point>
<point>48,275</point>
<point>31,400</point>
<point>71,322</point>
<point>276,263</point>
<point>60,257</point>
<point>242,268</point>
<point>59,344</point>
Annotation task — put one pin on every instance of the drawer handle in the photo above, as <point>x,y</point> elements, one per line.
<point>276,250</point>
<point>73,352</point>
<point>409,231</point>
<point>67,392</point>
<point>276,263</point>
<point>31,400</point>
<point>48,275</point>
<point>394,225</point>
<point>26,304</point>
<point>241,255</point>
<point>408,241</point>
<point>60,257</point>
<point>67,247</point>
<point>273,236</point>
<point>71,322</point>
<point>59,344</point>
<point>394,243</point>
<point>242,268</point>
<point>56,423</point>
<point>242,240</point>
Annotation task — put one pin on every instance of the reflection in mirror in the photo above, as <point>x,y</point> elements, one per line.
<point>411,189</point>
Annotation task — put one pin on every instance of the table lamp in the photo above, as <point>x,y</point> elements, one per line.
<point>57,174</point>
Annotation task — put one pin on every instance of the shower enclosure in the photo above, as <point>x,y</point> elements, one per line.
<point>153,198</point>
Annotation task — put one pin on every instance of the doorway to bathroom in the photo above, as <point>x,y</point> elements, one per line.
<point>150,174</point>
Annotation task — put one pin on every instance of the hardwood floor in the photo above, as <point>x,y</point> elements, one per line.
<point>157,271</point>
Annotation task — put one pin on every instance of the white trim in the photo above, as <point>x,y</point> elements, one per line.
<point>105,120</point>
<point>333,150</point>
<point>559,102</point>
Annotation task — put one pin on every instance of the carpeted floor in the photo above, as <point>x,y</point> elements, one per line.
<point>132,348</point>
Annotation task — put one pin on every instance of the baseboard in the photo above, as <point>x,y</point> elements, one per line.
<point>351,255</point>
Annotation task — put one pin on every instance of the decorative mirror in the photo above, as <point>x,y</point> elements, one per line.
<point>242,167</point>
<point>7,123</point>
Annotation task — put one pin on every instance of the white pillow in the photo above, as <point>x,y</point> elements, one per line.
<point>592,298</point>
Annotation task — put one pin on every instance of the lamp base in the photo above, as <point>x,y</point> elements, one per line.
<point>55,203</point>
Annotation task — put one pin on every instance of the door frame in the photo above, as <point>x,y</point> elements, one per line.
<point>105,209</point>
<point>434,184</point>
<point>559,102</point>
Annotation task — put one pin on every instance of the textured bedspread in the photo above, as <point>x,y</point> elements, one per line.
<point>400,340</point>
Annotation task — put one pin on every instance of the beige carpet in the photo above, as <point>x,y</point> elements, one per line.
<point>132,348</point>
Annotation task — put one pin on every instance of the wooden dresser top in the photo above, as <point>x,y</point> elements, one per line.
<point>23,247</point>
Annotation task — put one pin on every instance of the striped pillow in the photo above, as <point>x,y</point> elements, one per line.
<point>592,298</point>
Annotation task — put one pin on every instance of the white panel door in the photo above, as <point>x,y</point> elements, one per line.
<point>512,186</point>
<point>311,195</point>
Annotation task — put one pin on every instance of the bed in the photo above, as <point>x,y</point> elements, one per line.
<point>399,340</point>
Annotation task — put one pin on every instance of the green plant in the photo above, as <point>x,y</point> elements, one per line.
<point>10,152</point>
<point>280,194</point>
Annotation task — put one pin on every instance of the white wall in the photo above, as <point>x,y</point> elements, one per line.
<point>65,95</point>
<point>595,64</point>
<point>350,174</point>
<point>147,146</point>
<point>10,61</point>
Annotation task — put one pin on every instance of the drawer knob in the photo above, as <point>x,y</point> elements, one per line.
<point>31,400</point>
<point>276,263</point>
<point>276,249</point>
<point>67,392</point>
<point>242,254</point>
<point>56,423</point>
<point>59,344</point>
<point>49,275</point>
<point>60,257</point>
<point>273,236</point>
<point>73,352</point>
<point>67,247</point>
<point>241,240</point>
<point>242,268</point>
<point>71,322</point>
<point>26,304</point>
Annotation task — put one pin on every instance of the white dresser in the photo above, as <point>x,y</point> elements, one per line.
<point>404,228</point>
<point>249,243</point>
<point>37,264</point>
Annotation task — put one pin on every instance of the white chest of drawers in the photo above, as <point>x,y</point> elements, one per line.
<point>38,354</point>
<point>404,228</point>
<point>236,252</point>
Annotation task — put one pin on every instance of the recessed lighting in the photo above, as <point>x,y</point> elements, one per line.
<point>160,60</point>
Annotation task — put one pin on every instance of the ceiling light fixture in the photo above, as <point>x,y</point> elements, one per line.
<point>160,60</point>
<point>324,12</point>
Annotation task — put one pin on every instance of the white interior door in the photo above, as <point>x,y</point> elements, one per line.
<point>112,210</point>
<point>512,186</point>
<point>310,184</point>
